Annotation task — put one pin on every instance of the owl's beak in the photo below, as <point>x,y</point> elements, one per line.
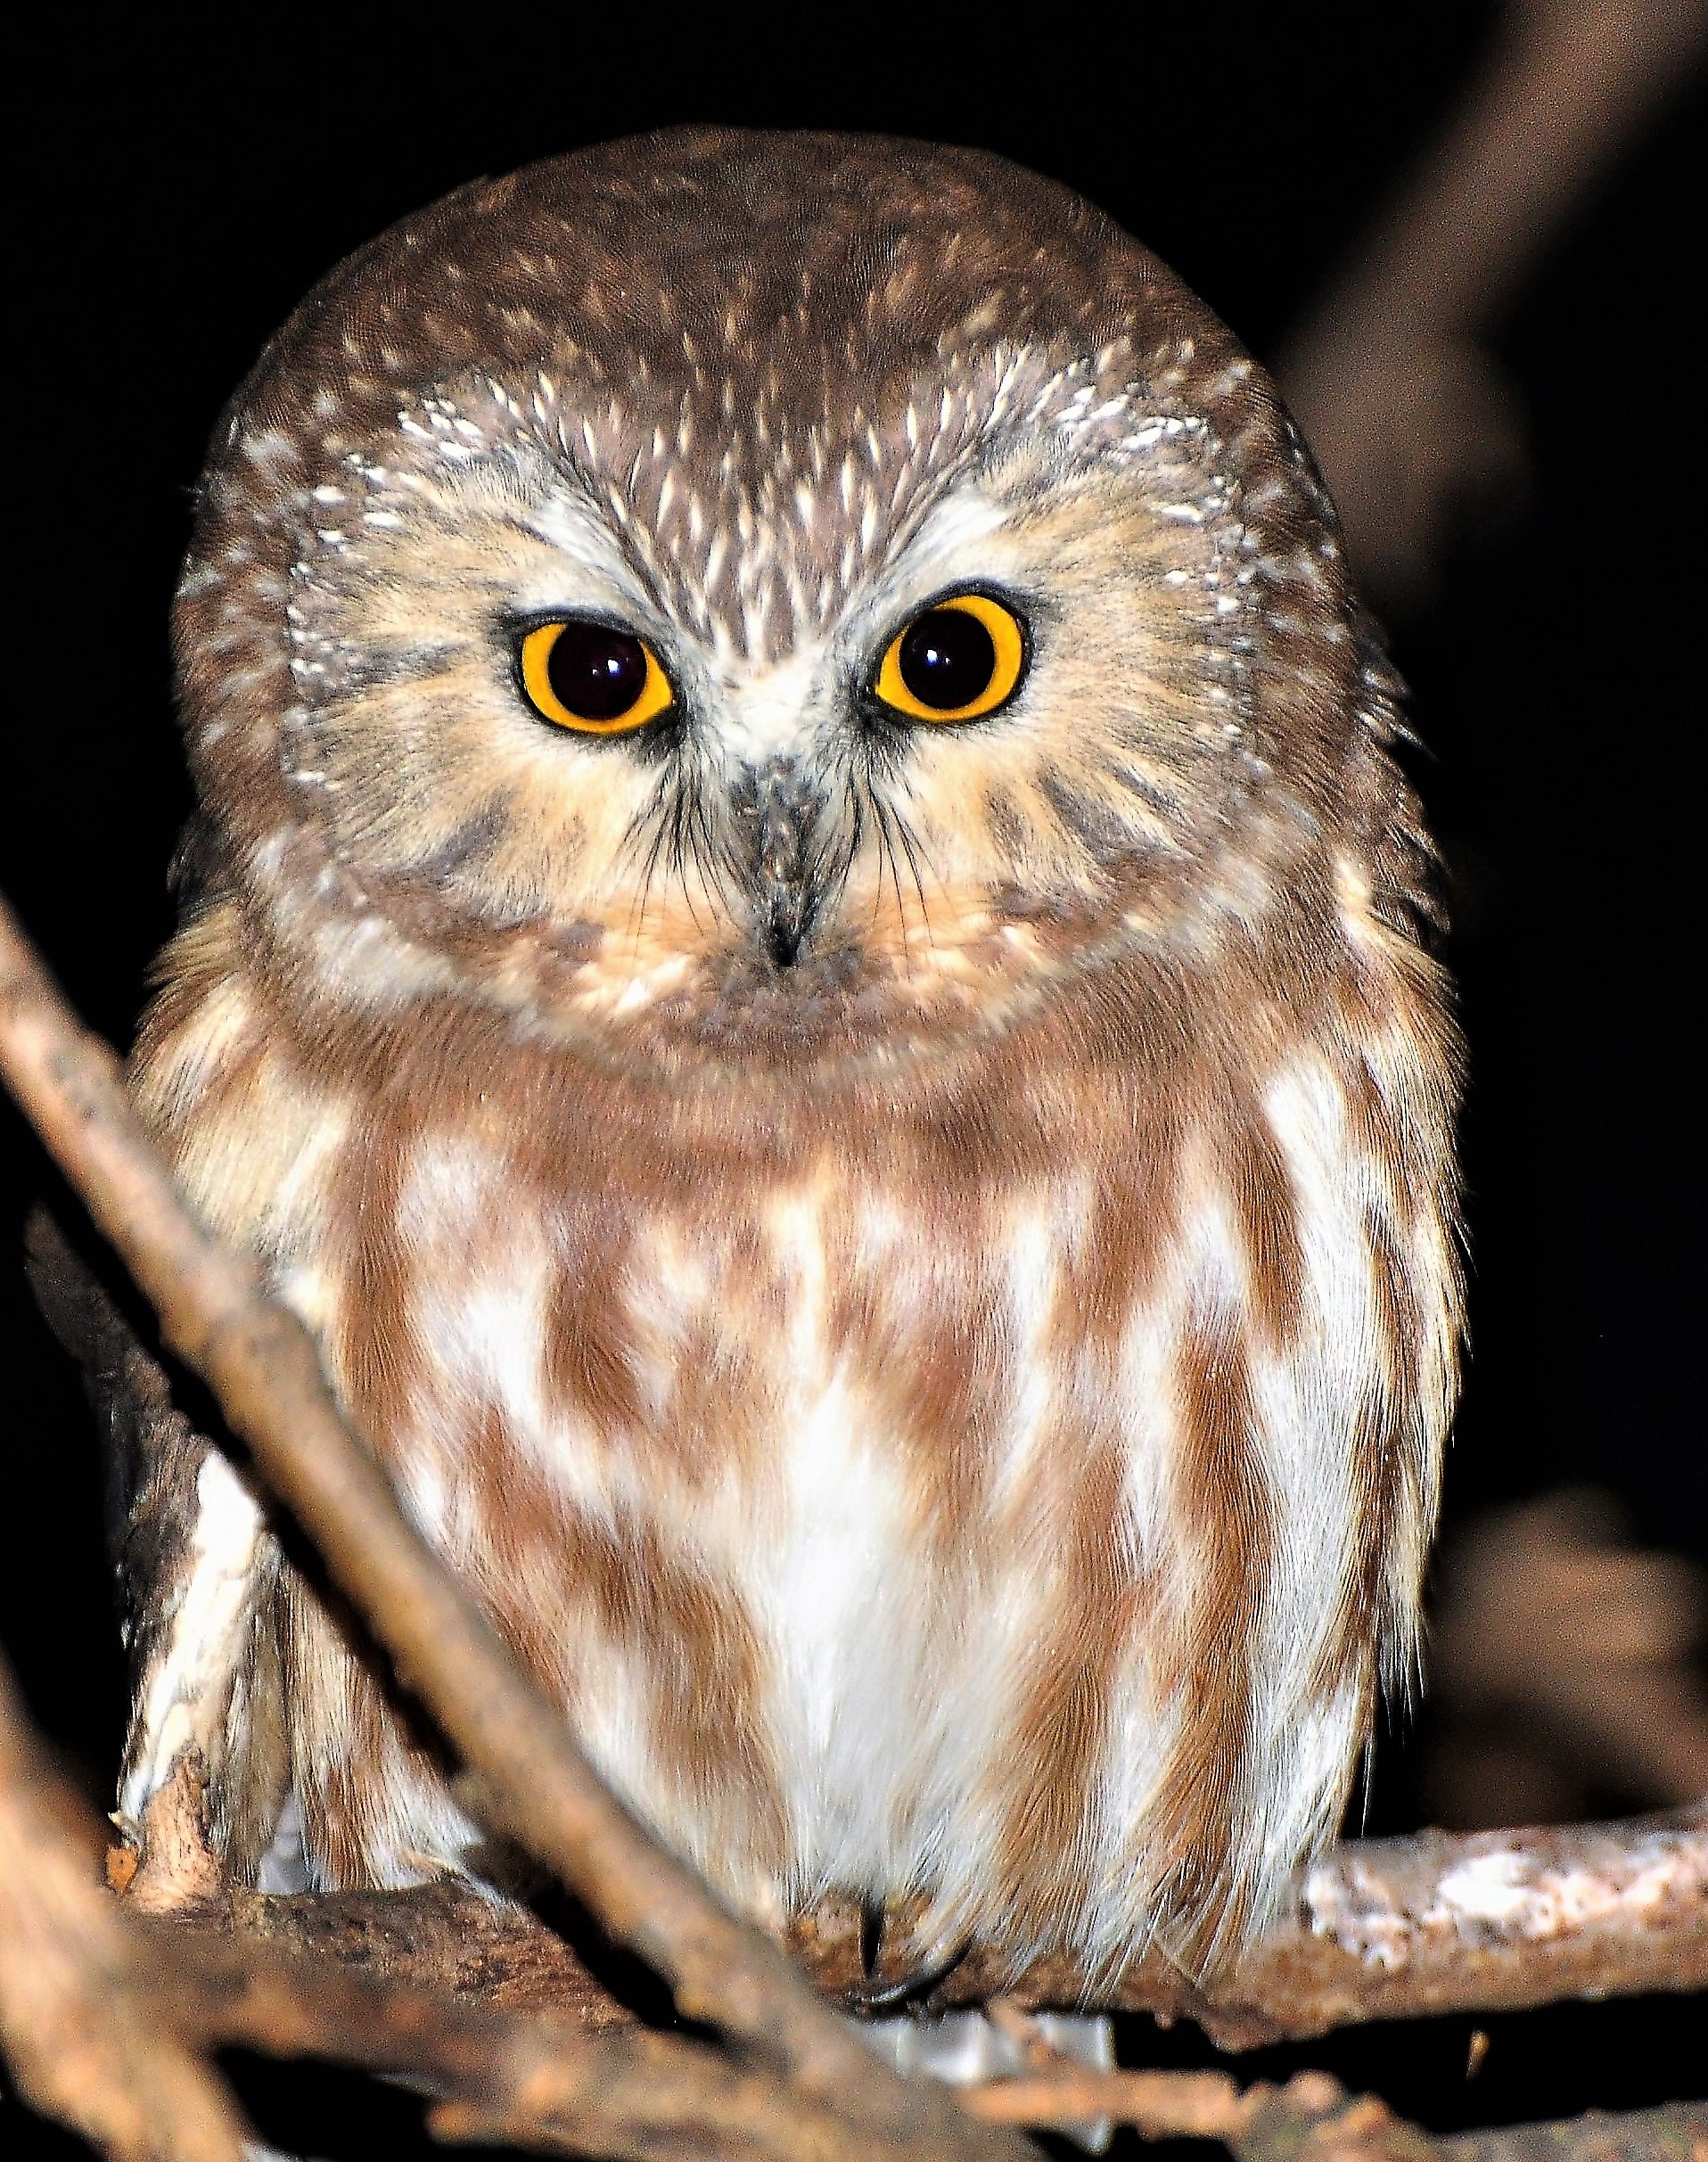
<point>784,813</point>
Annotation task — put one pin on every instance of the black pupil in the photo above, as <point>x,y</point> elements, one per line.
<point>947,658</point>
<point>597,672</point>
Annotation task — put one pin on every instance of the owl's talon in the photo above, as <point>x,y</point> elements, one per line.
<point>871,1936</point>
<point>914,1988</point>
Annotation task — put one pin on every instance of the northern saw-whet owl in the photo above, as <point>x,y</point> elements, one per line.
<point>804,954</point>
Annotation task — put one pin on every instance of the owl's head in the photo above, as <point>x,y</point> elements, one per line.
<point>776,595</point>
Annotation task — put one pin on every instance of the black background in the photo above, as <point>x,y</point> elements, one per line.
<point>181,197</point>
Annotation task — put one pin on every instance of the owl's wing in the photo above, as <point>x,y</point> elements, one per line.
<point>196,1569</point>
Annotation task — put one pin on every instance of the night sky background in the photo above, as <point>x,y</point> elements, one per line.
<point>192,194</point>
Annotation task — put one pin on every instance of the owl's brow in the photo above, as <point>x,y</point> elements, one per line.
<point>932,469</point>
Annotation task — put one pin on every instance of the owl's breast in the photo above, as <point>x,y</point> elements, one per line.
<point>920,1510</point>
<point>773,1487</point>
<point>880,1531</point>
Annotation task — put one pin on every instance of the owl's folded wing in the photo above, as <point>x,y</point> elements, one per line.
<point>196,1567</point>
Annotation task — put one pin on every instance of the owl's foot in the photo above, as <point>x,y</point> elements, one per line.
<point>884,1991</point>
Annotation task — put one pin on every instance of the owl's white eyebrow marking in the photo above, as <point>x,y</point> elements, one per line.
<point>961,518</point>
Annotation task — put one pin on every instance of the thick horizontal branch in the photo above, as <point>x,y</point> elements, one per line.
<point>110,2042</point>
<point>1383,1930</point>
<point>1440,1921</point>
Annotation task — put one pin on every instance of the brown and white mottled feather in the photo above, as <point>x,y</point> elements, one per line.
<point>960,1412</point>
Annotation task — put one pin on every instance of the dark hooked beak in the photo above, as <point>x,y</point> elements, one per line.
<point>784,812</point>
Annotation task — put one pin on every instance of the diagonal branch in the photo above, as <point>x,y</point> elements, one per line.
<point>262,1366</point>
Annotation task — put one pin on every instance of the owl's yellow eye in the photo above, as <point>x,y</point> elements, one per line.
<point>593,678</point>
<point>962,659</point>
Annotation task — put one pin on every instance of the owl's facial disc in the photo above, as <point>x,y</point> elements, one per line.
<point>659,779</point>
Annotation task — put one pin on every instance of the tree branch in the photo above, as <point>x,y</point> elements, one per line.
<point>1404,409</point>
<point>262,1366</point>
<point>1483,1921</point>
<point>105,2014</point>
<point>1381,1929</point>
<point>84,2047</point>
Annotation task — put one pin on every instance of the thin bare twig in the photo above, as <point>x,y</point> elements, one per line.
<point>1403,408</point>
<point>262,1366</point>
<point>1311,2119</point>
<point>1314,2119</point>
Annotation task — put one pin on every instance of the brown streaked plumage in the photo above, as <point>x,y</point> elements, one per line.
<point>912,1266</point>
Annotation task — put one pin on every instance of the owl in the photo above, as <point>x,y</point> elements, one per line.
<point>804,954</point>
